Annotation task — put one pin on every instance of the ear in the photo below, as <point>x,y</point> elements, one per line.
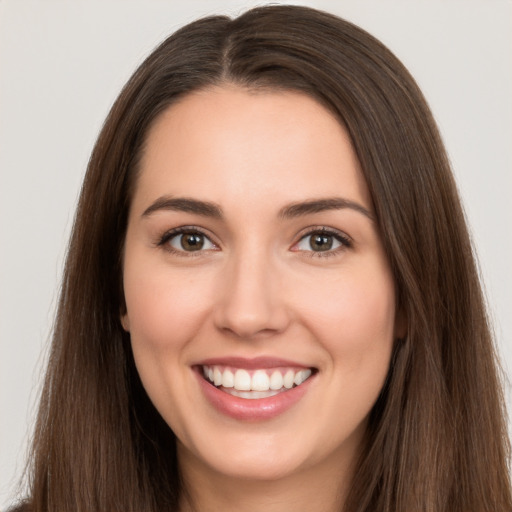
<point>125,322</point>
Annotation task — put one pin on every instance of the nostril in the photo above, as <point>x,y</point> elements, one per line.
<point>251,323</point>
<point>250,304</point>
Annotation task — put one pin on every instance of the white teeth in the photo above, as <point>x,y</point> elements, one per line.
<point>261,384</point>
<point>276,380</point>
<point>228,379</point>
<point>301,376</point>
<point>288,379</point>
<point>260,381</point>
<point>242,380</point>
<point>217,377</point>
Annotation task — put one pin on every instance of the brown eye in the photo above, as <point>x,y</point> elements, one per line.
<point>190,241</point>
<point>321,242</point>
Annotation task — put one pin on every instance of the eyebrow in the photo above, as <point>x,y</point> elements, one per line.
<point>321,205</point>
<point>299,209</point>
<point>185,204</point>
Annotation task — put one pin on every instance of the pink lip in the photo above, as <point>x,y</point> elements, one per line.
<point>251,364</point>
<point>243,409</point>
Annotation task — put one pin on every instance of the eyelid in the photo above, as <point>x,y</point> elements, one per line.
<point>171,233</point>
<point>345,240</point>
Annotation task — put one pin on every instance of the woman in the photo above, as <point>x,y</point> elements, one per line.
<point>270,299</point>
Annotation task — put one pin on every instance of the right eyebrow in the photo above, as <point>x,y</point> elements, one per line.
<point>184,204</point>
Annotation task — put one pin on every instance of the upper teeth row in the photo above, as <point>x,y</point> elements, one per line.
<point>260,380</point>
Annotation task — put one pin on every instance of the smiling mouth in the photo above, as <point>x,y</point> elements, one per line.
<point>257,383</point>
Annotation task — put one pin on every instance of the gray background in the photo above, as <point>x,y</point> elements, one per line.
<point>62,65</point>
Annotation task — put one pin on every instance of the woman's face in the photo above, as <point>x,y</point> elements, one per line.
<point>253,260</point>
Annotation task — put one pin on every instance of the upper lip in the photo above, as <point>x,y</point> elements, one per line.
<point>252,363</point>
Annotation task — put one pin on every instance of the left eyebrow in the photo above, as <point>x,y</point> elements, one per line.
<point>321,205</point>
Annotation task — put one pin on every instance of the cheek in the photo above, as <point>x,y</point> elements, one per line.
<point>164,312</point>
<point>163,308</point>
<point>356,304</point>
<point>353,315</point>
<point>354,322</point>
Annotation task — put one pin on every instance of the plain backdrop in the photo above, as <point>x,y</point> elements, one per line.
<point>62,64</point>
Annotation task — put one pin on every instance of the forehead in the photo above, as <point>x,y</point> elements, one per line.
<point>232,142</point>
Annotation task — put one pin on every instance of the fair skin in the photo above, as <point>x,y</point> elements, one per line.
<point>227,260</point>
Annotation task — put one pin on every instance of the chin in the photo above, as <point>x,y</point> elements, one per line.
<point>260,468</point>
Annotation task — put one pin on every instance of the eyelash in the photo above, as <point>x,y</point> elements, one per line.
<point>343,239</point>
<point>191,230</point>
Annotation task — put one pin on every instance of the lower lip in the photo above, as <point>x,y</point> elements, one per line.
<point>258,409</point>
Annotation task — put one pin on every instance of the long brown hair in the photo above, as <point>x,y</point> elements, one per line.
<point>437,437</point>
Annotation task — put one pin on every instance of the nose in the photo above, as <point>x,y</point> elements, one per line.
<point>251,302</point>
